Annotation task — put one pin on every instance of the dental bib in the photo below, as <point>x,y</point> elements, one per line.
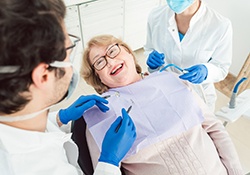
<point>162,107</point>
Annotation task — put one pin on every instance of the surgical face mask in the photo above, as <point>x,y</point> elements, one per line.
<point>179,6</point>
<point>73,84</point>
<point>75,77</point>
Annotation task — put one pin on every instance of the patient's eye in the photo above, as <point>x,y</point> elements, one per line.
<point>113,51</point>
<point>100,61</point>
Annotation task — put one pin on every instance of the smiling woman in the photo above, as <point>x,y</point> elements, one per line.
<point>108,56</point>
<point>175,129</point>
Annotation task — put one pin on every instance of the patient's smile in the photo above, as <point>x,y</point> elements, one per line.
<point>117,69</point>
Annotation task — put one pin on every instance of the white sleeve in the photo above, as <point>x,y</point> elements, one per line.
<point>5,165</point>
<point>221,60</point>
<point>106,169</point>
<point>148,48</point>
<point>52,117</point>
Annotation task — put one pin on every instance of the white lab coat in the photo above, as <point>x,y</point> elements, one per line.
<point>209,36</point>
<point>53,152</point>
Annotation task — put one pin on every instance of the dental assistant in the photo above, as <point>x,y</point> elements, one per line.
<point>35,74</point>
<point>194,37</point>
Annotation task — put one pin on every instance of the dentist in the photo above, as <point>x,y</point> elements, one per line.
<point>35,74</point>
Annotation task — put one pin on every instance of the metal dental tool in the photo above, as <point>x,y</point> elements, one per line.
<point>119,125</point>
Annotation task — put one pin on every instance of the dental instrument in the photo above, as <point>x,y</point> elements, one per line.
<point>173,65</point>
<point>119,125</point>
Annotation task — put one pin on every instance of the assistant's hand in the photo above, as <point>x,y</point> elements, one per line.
<point>196,74</point>
<point>155,59</point>
<point>76,110</point>
<point>116,144</point>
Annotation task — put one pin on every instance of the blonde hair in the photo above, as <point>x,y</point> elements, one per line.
<point>88,72</point>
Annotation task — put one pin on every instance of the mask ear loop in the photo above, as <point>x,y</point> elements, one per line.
<point>73,84</point>
<point>31,115</point>
<point>8,69</point>
<point>61,64</point>
<point>23,117</point>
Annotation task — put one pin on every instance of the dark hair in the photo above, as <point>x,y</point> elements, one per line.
<point>30,33</point>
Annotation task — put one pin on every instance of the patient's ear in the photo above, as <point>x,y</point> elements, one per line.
<point>40,75</point>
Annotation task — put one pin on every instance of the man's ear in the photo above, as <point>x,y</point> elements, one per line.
<point>40,75</point>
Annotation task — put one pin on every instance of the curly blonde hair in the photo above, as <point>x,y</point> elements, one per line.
<point>88,72</point>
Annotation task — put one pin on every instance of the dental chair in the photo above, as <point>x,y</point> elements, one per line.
<point>239,104</point>
<point>242,108</point>
<point>78,130</point>
<point>79,136</point>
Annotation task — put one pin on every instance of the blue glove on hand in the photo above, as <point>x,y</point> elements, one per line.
<point>196,74</point>
<point>76,110</point>
<point>155,59</point>
<point>116,144</point>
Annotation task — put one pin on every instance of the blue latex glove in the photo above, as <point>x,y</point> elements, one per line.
<point>116,144</point>
<point>76,110</point>
<point>155,59</point>
<point>196,74</point>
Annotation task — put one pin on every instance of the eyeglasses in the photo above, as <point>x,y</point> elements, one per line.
<point>74,40</point>
<point>112,52</point>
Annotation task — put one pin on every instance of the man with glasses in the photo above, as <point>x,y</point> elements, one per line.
<point>35,74</point>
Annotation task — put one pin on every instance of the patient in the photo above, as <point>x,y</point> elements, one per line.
<point>176,132</point>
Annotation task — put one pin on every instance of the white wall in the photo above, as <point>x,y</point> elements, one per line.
<point>238,11</point>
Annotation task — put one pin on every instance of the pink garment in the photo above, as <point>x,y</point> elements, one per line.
<point>161,111</point>
<point>203,149</point>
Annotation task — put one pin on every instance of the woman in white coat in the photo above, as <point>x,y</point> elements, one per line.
<point>192,36</point>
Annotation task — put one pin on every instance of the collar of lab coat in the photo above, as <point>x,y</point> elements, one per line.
<point>194,19</point>
<point>28,140</point>
<point>201,11</point>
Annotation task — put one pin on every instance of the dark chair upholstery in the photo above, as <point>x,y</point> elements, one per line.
<point>78,130</point>
<point>79,137</point>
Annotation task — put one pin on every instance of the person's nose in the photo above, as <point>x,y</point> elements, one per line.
<point>110,61</point>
